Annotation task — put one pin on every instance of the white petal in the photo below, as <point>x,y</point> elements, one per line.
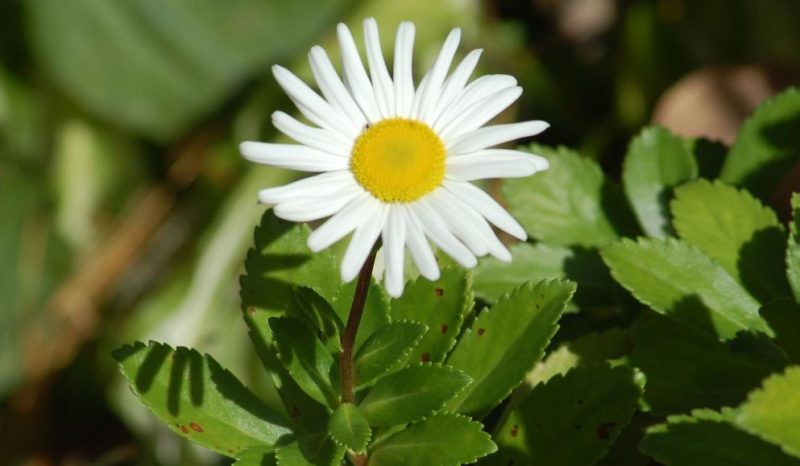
<point>320,185</point>
<point>476,91</point>
<point>480,113</point>
<point>428,94</point>
<point>363,241</point>
<point>394,232</point>
<point>342,223</point>
<point>355,76</point>
<point>437,231</point>
<point>419,247</point>
<point>310,104</point>
<point>332,87</point>
<point>493,163</point>
<point>479,225</point>
<point>486,206</point>
<point>489,136</point>
<point>318,138</point>
<point>458,224</point>
<point>381,81</point>
<point>403,69</point>
<point>455,83</point>
<point>291,156</point>
<point>308,209</point>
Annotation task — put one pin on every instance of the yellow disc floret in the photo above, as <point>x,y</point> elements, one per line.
<point>398,160</point>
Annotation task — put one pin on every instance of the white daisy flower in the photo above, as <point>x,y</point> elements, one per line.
<point>395,162</point>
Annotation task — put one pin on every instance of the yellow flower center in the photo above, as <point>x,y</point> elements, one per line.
<point>398,160</point>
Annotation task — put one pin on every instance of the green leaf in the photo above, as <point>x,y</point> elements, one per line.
<point>773,411</point>
<point>376,308</point>
<point>411,394</point>
<point>783,317</point>
<point>318,313</point>
<point>656,162</point>
<point>708,299</point>
<point>386,347</point>
<point>767,147</point>
<point>541,261</point>
<point>441,305</point>
<point>571,420</point>
<point>505,342</point>
<point>710,156</point>
<point>102,53</point>
<point>592,212</point>
<point>735,230</point>
<point>310,450</point>
<point>258,456</point>
<point>707,438</point>
<point>198,399</point>
<point>444,440</point>
<point>793,249</point>
<point>686,369</point>
<point>349,428</point>
<point>305,357</point>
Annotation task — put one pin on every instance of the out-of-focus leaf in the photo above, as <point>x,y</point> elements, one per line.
<point>159,68</point>
<point>198,399</point>
<point>783,317</point>
<point>656,162</point>
<point>793,249</point>
<point>767,146</point>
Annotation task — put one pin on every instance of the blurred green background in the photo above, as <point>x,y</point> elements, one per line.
<point>126,211</point>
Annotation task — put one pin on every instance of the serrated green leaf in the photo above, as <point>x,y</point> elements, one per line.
<point>386,347</point>
<point>411,394</point>
<point>256,457</point>
<point>793,249</point>
<point>773,411</point>
<point>569,204</point>
<point>541,261</point>
<point>441,305</point>
<point>319,314</point>
<point>376,308</point>
<point>444,440</point>
<point>783,317</point>
<point>305,357</point>
<point>707,298</point>
<point>310,450</point>
<point>686,369</point>
<point>767,146</point>
<point>349,428</point>
<point>198,399</point>
<point>571,420</point>
<point>735,230</point>
<point>707,438</point>
<point>657,161</point>
<point>505,342</point>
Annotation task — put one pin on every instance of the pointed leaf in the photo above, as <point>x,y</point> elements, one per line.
<point>444,440</point>
<point>312,308</point>
<point>793,249</point>
<point>591,213</point>
<point>198,399</point>
<point>441,305</point>
<point>707,438</point>
<point>735,230</point>
<point>783,317</point>
<point>708,299</point>
<point>773,411</point>
<point>505,342</point>
<point>767,147</point>
<point>656,162</point>
<point>571,420</point>
<point>387,346</point>
<point>305,357</point>
<point>376,308</point>
<point>349,428</point>
<point>411,394</point>
<point>310,450</point>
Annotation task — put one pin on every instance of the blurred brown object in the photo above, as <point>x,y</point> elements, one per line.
<point>713,102</point>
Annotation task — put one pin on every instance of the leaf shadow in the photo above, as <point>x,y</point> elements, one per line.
<point>758,259</point>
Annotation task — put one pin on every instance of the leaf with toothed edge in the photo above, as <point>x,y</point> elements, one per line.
<point>310,450</point>
<point>444,439</point>
<point>348,428</point>
<point>312,308</point>
<point>198,399</point>
<point>412,393</point>
<point>441,305</point>
<point>384,349</point>
<point>505,342</point>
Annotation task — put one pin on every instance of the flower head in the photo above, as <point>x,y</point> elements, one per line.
<point>394,161</point>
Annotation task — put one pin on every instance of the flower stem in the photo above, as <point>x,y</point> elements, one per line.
<point>351,329</point>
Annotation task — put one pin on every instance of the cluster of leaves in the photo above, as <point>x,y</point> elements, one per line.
<point>693,315</point>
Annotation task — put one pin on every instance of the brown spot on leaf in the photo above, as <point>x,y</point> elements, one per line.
<point>196,427</point>
<point>481,331</point>
<point>251,310</point>
<point>444,328</point>
<point>295,411</point>
<point>426,357</point>
<point>438,291</point>
<point>514,430</point>
<point>184,429</point>
<point>604,430</point>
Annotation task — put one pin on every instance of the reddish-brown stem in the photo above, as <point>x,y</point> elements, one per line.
<point>351,329</point>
